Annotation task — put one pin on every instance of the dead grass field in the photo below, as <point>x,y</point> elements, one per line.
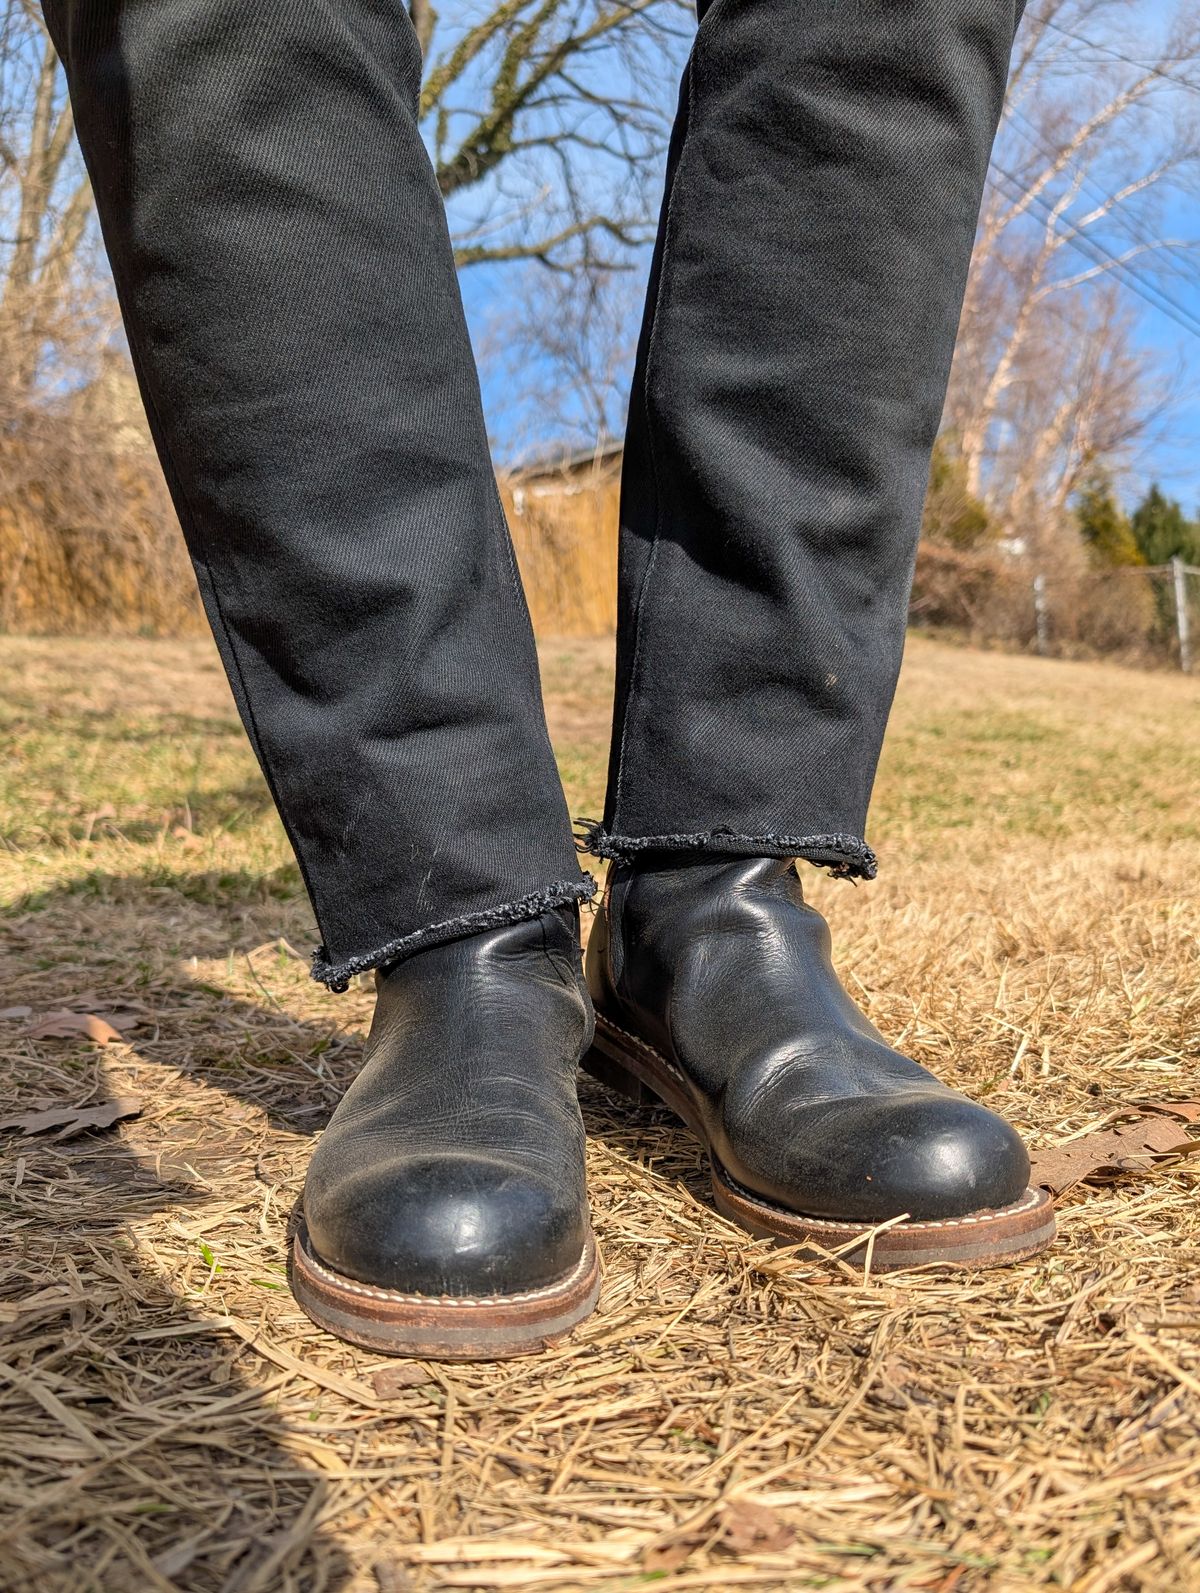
<point>732,1416</point>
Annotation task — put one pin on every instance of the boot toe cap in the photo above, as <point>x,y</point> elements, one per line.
<point>460,1226</point>
<point>929,1155</point>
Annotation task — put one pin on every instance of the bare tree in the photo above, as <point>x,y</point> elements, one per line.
<point>1100,133</point>
<point>1084,395</point>
<point>547,123</point>
<point>562,345</point>
<point>53,310</point>
<point>545,119</point>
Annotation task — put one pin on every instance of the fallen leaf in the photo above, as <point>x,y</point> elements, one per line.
<point>670,1556</point>
<point>124,1018</point>
<point>746,1526</point>
<point>391,1380</point>
<point>1127,1147</point>
<point>98,1001</point>
<point>73,1120</point>
<point>1188,1110</point>
<point>64,1025</point>
<point>17,1012</point>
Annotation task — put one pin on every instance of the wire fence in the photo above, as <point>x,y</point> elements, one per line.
<point>1141,614</point>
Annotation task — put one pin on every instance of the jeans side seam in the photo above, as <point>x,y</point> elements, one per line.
<point>644,588</point>
<point>183,501</point>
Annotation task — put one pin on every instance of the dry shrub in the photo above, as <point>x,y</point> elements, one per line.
<point>983,595</point>
<point>564,529</point>
<point>1107,611</point>
<point>89,541</point>
<point>1124,613</point>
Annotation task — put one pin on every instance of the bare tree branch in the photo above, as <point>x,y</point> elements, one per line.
<point>1086,156</point>
<point>424,20</point>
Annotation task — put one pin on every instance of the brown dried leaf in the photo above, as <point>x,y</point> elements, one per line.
<point>17,1012</point>
<point>1127,1147</point>
<point>98,1001</point>
<point>73,1120</point>
<point>1188,1110</point>
<point>103,1029</point>
<point>670,1556</point>
<point>747,1526</point>
<point>391,1380</point>
<point>124,1018</point>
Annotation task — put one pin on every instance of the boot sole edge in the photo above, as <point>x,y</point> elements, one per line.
<point>442,1327</point>
<point>988,1237</point>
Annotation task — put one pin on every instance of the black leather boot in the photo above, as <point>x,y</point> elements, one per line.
<point>445,1211</point>
<point>714,991</point>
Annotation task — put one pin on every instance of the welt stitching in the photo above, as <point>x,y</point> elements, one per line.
<point>1028,1201</point>
<point>459,1301</point>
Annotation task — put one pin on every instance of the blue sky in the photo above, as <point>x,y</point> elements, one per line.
<point>1171,456</point>
<point>1174,458</point>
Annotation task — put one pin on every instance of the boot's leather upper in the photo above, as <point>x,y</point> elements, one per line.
<point>723,968</point>
<point>455,1162</point>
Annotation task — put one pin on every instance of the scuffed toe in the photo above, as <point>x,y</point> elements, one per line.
<point>930,1154</point>
<point>442,1225</point>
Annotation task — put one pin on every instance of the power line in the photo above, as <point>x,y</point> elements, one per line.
<point>1116,55</point>
<point>1190,267</point>
<point>1092,249</point>
<point>1098,253</point>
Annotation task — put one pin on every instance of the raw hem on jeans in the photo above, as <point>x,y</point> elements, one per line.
<point>337,975</point>
<point>845,856</point>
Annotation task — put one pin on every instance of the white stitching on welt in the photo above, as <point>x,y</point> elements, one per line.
<point>1028,1201</point>
<point>471,1300</point>
<point>676,1073</point>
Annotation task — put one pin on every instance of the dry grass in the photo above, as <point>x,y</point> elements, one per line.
<point>564,531</point>
<point>89,543</point>
<point>731,1416</point>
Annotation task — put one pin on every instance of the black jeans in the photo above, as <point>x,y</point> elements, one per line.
<point>285,275</point>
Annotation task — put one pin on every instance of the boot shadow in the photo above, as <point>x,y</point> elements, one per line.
<point>132,1434</point>
<point>648,1136</point>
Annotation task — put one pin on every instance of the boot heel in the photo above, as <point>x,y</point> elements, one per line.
<point>601,1063</point>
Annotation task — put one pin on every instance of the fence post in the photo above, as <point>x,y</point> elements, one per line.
<point>1041,614</point>
<point>1181,614</point>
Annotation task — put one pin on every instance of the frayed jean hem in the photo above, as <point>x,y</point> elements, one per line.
<point>337,975</point>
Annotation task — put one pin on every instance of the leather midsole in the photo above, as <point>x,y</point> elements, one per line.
<point>454,1327</point>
